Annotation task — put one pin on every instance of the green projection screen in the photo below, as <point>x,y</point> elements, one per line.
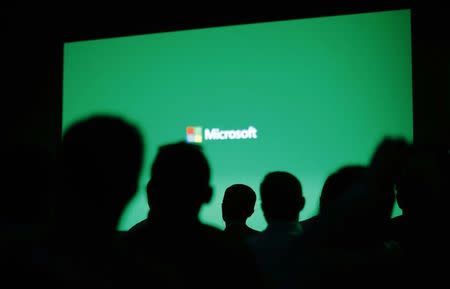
<point>305,96</point>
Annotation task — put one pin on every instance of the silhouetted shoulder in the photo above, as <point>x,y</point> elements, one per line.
<point>309,224</point>
<point>138,227</point>
<point>240,230</point>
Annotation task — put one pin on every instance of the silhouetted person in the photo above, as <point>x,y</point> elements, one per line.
<point>281,201</point>
<point>418,195</point>
<point>238,205</point>
<point>172,243</point>
<point>101,162</point>
<point>334,187</point>
<point>420,230</point>
<point>347,248</point>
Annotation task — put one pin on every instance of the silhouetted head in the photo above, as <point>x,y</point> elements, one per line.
<point>281,197</point>
<point>338,183</point>
<point>356,208</point>
<point>238,203</point>
<point>179,183</point>
<point>102,158</point>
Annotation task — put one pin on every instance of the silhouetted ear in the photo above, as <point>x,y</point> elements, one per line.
<point>224,213</point>
<point>263,206</point>
<point>207,195</point>
<point>250,212</point>
<point>301,203</point>
<point>149,190</point>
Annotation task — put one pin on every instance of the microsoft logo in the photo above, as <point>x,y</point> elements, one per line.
<point>194,134</point>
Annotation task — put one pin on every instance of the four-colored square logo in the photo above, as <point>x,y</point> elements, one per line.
<point>194,134</point>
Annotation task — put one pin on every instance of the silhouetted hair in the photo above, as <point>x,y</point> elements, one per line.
<point>281,196</point>
<point>179,178</point>
<point>339,182</point>
<point>102,152</point>
<point>181,161</point>
<point>238,202</point>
